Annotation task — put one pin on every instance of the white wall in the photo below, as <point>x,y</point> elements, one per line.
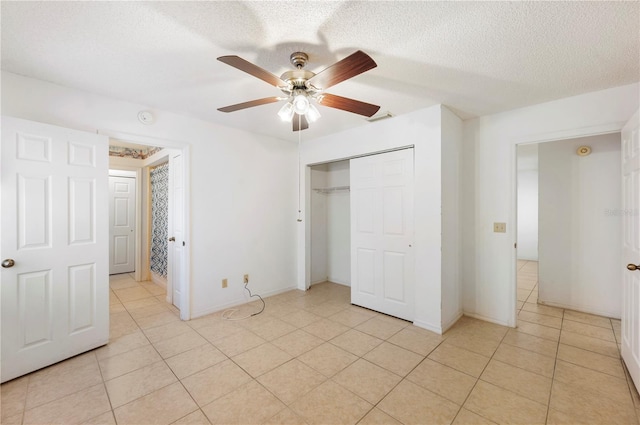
<point>489,185</point>
<point>528,202</point>
<point>422,129</point>
<point>338,225</point>
<point>580,234</point>
<point>451,237</point>
<point>242,186</point>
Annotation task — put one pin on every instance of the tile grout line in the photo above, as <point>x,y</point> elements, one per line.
<point>553,377</point>
<point>478,380</point>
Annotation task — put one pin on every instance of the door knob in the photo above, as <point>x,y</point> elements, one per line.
<point>631,267</point>
<point>172,239</point>
<point>8,263</point>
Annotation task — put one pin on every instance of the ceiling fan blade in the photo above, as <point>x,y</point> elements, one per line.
<point>249,104</point>
<point>349,105</point>
<point>349,67</point>
<point>255,70</point>
<point>300,122</point>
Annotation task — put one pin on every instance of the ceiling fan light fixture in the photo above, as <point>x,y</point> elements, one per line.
<point>286,112</point>
<point>301,103</point>
<point>313,114</point>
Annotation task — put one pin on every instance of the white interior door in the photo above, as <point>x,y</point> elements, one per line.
<point>55,295</point>
<point>122,218</point>
<point>176,229</point>
<point>631,247</point>
<point>382,260</point>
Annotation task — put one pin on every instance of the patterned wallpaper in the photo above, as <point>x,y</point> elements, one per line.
<point>123,152</point>
<point>159,218</point>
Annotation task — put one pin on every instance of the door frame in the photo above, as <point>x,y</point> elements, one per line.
<point>185,302</point>
<point>513,213</point>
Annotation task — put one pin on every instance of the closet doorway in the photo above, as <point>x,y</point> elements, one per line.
<point>361,229</point>
<point>330,223</point>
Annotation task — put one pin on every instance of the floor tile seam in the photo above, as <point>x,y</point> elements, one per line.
<point>617,356</point>
<point>201,344</point>
<point>586,367</point>
<point>58,397</point>
<point>521,368</point>
<point>609,328</point>
<point>541,313</point>
<point>113,409</point>
<point>409,349</point>
<point>537,323</point>
<point>536,352</point>
<point>478,380</point>
<point>595,393</point>
<point>517,393</point>
<point>553,376</point>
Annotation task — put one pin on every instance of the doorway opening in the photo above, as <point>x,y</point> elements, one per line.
<point>161,212</point>
<point>569,226</point>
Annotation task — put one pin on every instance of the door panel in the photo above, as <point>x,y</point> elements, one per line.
<point>176,229</point>
<point>382,260</point>
<point>631,247</point>
<point>122,216</point>
<point>55,299</point>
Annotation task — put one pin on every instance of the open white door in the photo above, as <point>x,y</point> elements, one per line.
<point>122,219</point>
<point>55,283</point>
<point>176,230</point>
<point>631,247</point>
<point>382,260</point>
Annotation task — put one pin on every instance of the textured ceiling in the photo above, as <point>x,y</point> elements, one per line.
<point>476,57</point>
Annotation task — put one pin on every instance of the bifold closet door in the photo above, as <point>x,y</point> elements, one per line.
<point>382,260</point>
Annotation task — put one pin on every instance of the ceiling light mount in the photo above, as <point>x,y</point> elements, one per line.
<point>299,59</point>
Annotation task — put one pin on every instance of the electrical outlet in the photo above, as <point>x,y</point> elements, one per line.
<point>246,278</point>
<point>500,227</point>
<point>224,283</point>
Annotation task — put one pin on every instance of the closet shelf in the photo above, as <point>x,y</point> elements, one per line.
<point>333,189</point>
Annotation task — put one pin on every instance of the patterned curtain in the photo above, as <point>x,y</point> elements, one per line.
<point>159,218</point>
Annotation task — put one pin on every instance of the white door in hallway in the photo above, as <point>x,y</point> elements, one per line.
<point>122,216</point>
<point>382,260</point>
<point>54,245</point>
<point>176,252</point>
<point>631,247</point>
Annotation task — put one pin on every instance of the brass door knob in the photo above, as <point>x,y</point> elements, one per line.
<point>172,239</point>
<point>8,263</point>
<point>631,267</point>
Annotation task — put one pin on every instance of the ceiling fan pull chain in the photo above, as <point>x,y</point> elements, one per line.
<point>299,166</point>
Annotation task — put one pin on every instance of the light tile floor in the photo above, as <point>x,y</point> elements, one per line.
<point>314,358</point>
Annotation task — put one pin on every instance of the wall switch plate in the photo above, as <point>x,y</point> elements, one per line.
<point>246,278</point>
<point>500,227</point>
<point>224,283</point>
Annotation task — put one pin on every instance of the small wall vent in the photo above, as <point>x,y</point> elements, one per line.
<point>380,117</point>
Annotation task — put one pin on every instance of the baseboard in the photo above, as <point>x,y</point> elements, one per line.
<point>487,319</point>
<point>338,281</point>
<point>448,324</point>
<point>428,326</point>
<point>581,309</point>
<point>158,280</point>
<point>315,282</point>
<point>220,307</point>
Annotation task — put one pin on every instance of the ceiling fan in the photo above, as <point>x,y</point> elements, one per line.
<point>301,87</point>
